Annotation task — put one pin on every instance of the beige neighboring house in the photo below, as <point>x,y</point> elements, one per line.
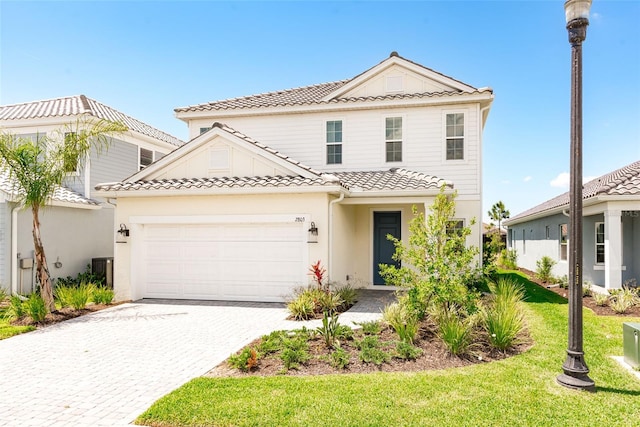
<point>77,226</point>
<point>271,183</point>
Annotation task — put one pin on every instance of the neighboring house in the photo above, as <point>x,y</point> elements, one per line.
<point>271,183</point>
<point>76,227</point>
<point>488,230</point>
<point>611,230</point>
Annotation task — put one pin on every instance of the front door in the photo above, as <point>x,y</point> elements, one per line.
<point>384,223</point>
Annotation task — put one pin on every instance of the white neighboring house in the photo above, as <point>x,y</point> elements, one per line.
<point>610,224</point>
<point>77,226</point>
<point>271,183</point>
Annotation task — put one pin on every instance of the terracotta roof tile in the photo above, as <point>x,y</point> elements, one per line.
<point>61,194</point>
<point>393,179</point>
<point>78,105</point>
<point>621,182</point>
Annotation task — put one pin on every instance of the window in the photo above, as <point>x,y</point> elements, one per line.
<point>455,136</point>
<point>563,241</point>
<point>393,139</point>
<point>524,243</point>
<point>71,156</point>
<point>334,142</point>
<point>599,242</point>
<point>547,232</point>
<point>146,157</point>
<point>203,130</point>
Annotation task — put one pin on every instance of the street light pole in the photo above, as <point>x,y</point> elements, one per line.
<point>575,369</point>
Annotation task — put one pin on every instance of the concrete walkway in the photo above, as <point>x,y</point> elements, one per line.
<point>106,368</point>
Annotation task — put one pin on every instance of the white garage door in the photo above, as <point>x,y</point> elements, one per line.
<point>242,262</point>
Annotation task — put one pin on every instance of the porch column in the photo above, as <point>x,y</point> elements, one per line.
<point>612,249</point>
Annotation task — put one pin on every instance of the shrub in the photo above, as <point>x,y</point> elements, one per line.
<point>329,329</point>
<point>76,297</point>
<point>348,295</point>
<point>563,281</point>
<point>272,343</point>
<point>586,289</point>
<point>371,351</point>
<point>16,308</point>
<point>415,302</point>
<point>544,266</point>
<point>83,277</point>
<point>302,308</point>
<point>35,307</point>
<point>103,295</point>
<point>245,361</point>
<point>404,323</point>
<point>504,320</point>
<point>296,352</point>
<point>407,351</point>
<point>371,327</point>
<point>600,299</point>
<point>456,333</point>
<point>3,294</point>
<point>340,359</point>
<point>509,259</point>
<point>327,301</point>
<point>623,300</point>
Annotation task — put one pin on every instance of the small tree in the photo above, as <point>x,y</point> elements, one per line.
<point>436,262</point>
<point>497,213</point>
<point>39,167</point>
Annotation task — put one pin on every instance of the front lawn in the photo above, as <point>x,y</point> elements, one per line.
<point>519,391</point>
<point>8,330</point>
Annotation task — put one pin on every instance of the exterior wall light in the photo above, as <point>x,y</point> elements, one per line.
<point>313,233</point>
<point>122,234</point>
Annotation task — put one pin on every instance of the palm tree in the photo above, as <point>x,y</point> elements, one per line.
<point>498,212</point>
<point>39,167</point>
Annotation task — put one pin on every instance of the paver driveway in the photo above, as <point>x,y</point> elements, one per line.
<point>106,368</point>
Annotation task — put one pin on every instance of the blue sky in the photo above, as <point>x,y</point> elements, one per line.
<point>146,58</point>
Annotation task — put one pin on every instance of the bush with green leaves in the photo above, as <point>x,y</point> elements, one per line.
<point>371,350</point>
<point>35,307</point>
<point>76,297</point>
<point>340,359</point>
<point>103,295</point>
<point>587,290</point>
<point>456,332</point>
<point>302,307</point>
<point>600,299</point>
<point>563,281</point>
<point>245,360</point>
<point>3,294</point>
<point>407,351</point>
<point>329,329</point>
<point>414,301</point>
<point>509,259</point>
<point>503,319</point>
<point>16,308</point>
<point>402,321</point>
<point>347,294</point>
<point>272,343</point>
<point>436,259</point>
<point>294,353</point>
<point>544,266</point>
<point>83,277</point>
<point>622,300</point>
<point>371,327</point>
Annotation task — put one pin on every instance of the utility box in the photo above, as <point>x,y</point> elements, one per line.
<point>631,343</point>
<point>103,267</point>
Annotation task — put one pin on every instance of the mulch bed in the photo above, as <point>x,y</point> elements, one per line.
<point>587,301</point>
<point>62,315</point>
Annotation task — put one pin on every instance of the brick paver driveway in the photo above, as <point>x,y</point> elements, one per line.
<point>106,368</point>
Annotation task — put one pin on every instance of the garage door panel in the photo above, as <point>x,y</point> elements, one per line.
<point>251,262</point>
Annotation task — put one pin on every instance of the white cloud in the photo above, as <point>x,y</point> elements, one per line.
<point>562,180</point>
<point>527,178</point>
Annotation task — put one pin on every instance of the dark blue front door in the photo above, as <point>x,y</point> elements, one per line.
<point>384,223</point>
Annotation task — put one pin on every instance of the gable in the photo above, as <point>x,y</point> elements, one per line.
<point>219,157</point>
<point>397,79</point>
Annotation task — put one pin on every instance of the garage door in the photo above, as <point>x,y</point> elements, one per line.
<point>242,262</point>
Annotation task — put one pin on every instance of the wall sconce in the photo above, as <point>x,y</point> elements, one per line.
<point>313,233</point>
<point>122,234</point>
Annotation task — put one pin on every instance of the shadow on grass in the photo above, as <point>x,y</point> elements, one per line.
<point>535,294</point>
<point>617,391</point>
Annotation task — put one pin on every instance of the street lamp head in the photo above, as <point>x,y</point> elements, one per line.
<point>577,9</point>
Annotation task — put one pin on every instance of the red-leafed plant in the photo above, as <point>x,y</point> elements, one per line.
<point>317,272</point>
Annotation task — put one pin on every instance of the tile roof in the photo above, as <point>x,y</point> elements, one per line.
<point>394,179</point>
<point>77,105</point>
<point>621,182</point>
<point>61,194</point>
<point>314,94</point>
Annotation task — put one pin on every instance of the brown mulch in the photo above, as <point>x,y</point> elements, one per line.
<point>587,301</point>
<point>63,314</point>
<point>434,356</point>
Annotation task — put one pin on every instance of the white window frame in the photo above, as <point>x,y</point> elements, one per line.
<point>465,140</point>
<point>561,244</point>
<point>327,143</point>
<point>596,244</point>
<point>402,140</point>
<point>140,165</point>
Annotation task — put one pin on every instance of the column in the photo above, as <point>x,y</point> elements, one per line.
<point>612,249</point>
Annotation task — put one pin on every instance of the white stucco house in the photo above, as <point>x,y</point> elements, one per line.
<point>271,183</point>
<point>77,226</point>
<point>611,230</point>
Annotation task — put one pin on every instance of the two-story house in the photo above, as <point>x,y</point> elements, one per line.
<point>77,226</point>
<point>271,183</point>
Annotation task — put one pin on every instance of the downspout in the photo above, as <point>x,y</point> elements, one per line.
<point>14,249</point>
<point>330,243</point>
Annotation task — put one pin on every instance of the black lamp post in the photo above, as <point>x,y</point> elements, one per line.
<point>575,368</point>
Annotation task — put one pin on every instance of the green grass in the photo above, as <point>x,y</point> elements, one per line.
<point>7,330</point>
<point>519,391</point>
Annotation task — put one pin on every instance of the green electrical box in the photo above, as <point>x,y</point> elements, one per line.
<point>631,343</point>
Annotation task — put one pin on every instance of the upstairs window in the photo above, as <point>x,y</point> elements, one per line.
<point>146,157</point>
<point>599,242</point>
<point>455,136</point>
<point>71,156</point>
<point>334,142</point>
<point>564,239</point>
<point>393,139</point>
